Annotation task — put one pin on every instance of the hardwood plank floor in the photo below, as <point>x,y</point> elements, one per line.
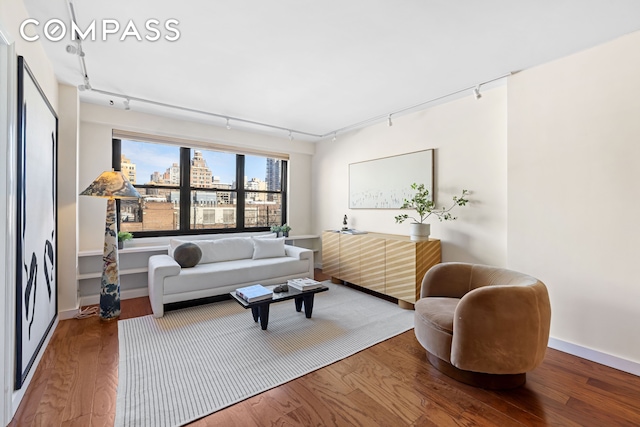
<point>389,384</point>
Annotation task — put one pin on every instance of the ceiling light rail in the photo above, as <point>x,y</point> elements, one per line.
<point>77,50</point>
<point>413,107</point>
<point>206,113</point>
<point>290,132</point>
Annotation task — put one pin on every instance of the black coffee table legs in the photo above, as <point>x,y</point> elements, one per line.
<point>261,312</point>
<point>308,305</point>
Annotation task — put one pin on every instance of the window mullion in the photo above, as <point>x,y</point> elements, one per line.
<point>283,190</point>
<point>240,199</point>
<point>185,188</point>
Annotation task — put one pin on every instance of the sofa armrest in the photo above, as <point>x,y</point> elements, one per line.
<point>507,325</point>
<point>160,266</point>
<point>301,254</point>
<point>298,252</point>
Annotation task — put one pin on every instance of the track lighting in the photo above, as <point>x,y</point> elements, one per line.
<point>228,125</point>
<point>290,136</point>
<point>476,92</point>
<point>389,122</point>
<point>126,104</point>
<point>334,136</point>
<point>85,86</point>
<point>75,50</point>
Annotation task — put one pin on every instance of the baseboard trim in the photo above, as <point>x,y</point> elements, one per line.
<point>128,294</point>
<point>95,299</point>
<point>596,356</point>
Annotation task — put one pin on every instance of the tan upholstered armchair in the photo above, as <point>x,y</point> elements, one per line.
<point>482,325</point>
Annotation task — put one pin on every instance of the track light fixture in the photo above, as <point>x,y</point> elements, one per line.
<point>389,122</point>
<point>75,50</point>
<point>476,92</point>
<point>86,85</point>
<point>290,136</point>
<point>334,136</point>
<point>228,125</point>
<point>126,104</point>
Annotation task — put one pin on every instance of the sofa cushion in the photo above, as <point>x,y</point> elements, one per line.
<point>230,249</point>
<point>434,324</point>
<point>187,255</point>
<point>219,250</point>
<point>265,236</point>
<point>220,274</point>
<point>268,248</point>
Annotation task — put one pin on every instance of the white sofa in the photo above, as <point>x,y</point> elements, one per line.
<point>227,264</point>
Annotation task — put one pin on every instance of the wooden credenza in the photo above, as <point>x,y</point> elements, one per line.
<point>386,263</point>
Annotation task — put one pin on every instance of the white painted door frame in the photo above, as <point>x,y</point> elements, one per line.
<point>8,102</point>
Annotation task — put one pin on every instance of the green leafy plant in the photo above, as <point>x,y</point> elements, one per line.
<point>285,228</point>
<point>276,229</point>
<point>123,236</point>
<point>425,207</point>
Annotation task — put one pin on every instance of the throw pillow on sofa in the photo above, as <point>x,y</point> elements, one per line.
<point>187,255</point>
<point>218,250</point>
<point>230,249</point>
<point>265,236</point>
<point>268,248</point>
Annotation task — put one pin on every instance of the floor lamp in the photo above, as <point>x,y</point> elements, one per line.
<point>111,185</point>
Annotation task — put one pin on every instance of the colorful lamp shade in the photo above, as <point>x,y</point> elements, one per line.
<point>111,185</point>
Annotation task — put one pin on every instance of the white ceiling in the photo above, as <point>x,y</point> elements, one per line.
<point>319,66</point>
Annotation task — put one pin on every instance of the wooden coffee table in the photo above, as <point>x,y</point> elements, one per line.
<point>260,309</point>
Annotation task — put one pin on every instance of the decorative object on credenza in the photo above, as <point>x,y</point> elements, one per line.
<point>425,207</point>
<point>285,230</point>
<point>345,226</point>
<point>36,295</point>
<point>123,236</point>
<point>111,185</point>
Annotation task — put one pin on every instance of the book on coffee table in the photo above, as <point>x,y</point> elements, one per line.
<point>254,293</point>
<point>305,284</point>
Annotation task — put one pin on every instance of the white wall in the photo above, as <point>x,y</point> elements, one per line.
<point>469,137</point>
<point>69,117</point>
<point>573,172</point>
<point>7,134</point>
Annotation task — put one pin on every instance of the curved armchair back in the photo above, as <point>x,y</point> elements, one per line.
<point>501,322</point>
<point>455,279</point>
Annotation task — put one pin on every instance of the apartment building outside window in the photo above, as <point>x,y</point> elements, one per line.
<point>195,190</point>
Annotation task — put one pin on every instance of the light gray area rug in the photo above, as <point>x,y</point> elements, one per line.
<point>195,361</point>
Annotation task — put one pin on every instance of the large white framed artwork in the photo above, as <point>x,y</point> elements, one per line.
<point>385,183</point>
<point>36,272</point>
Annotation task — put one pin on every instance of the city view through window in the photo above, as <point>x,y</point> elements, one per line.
<point>212,191</point>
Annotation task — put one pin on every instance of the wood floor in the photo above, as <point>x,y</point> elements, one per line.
<point>389,384</point>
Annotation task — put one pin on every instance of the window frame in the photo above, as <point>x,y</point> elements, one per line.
<point>185,191</point>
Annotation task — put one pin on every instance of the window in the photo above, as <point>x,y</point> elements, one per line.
<point>192,190</point>
<point>263,202</point>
